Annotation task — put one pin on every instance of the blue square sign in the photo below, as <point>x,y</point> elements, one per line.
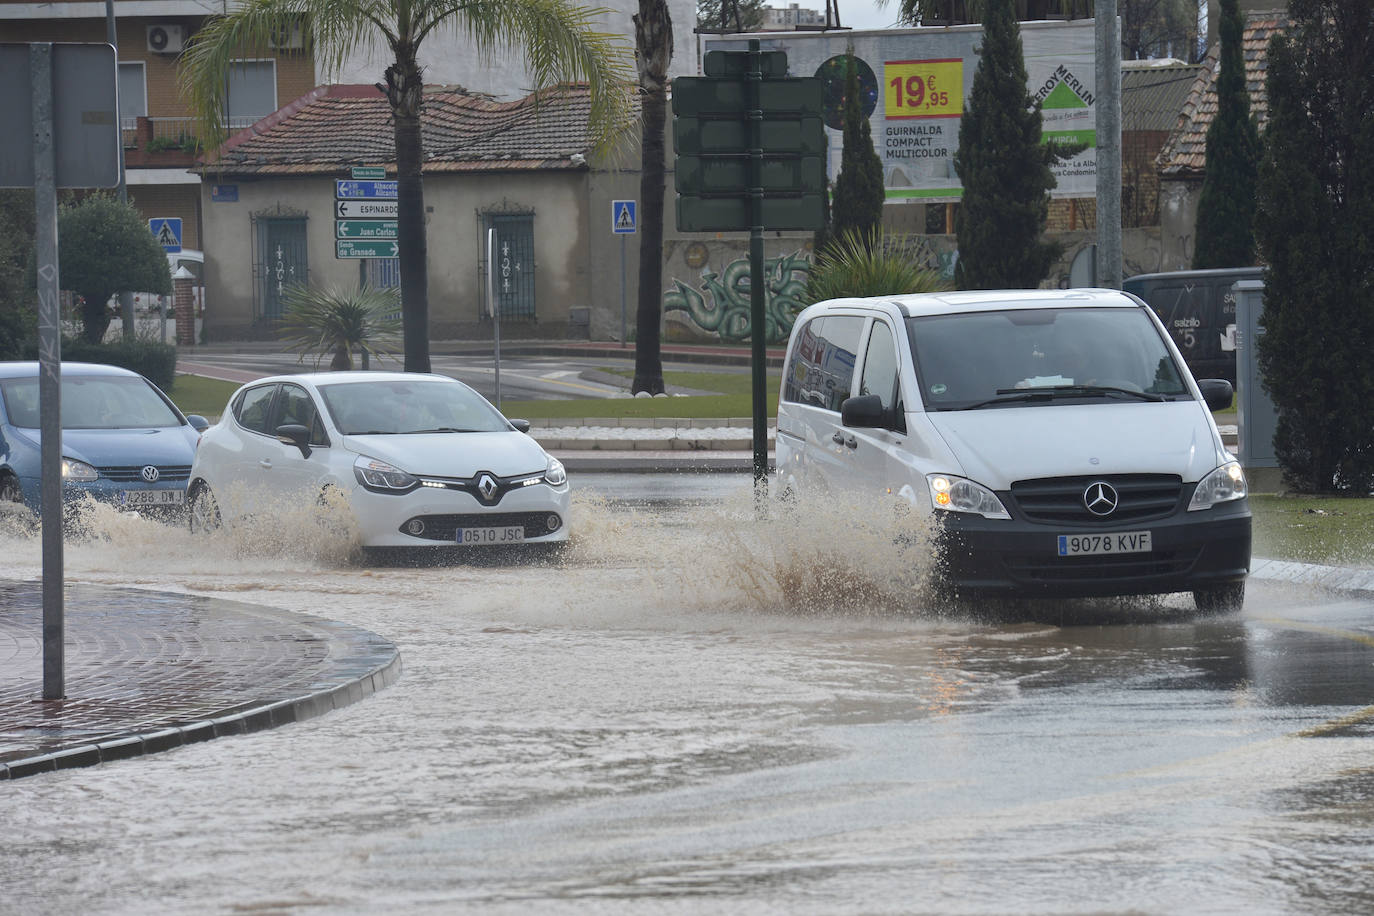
<point>167,231</point>
<point>622,216</point>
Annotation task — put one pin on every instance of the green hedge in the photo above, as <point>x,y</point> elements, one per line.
<point>153,359</point>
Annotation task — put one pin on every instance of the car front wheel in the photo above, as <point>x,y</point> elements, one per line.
<point>204,509</point>
<point>1220,599</point>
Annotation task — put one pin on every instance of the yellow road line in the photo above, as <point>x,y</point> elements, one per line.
<point>1344,722</point>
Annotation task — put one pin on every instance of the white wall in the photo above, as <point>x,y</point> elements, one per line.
<point>449,59</point>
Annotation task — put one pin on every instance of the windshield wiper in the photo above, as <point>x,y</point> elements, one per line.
<point>1053,392</point>
<point>439,429</point>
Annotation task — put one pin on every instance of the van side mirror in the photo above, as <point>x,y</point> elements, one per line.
<point>865,412</point>
<point>1216,392</point>
<point>297,435</point>
<point>521,426</point>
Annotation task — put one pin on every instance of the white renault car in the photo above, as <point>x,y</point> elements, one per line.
<point>423,460</point>
<point>1056,435</point>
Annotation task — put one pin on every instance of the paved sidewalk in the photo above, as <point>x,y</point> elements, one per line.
<point>148,671</point>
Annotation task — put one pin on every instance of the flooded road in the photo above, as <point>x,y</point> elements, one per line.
<point>695,711</point>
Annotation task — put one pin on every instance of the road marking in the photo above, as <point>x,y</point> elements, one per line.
<point>1344,722</point>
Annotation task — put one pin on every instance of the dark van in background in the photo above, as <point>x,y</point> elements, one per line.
<point>1199,310</point>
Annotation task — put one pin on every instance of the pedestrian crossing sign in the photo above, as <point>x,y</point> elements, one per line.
<point>167,231</point>
<point>622,216</point>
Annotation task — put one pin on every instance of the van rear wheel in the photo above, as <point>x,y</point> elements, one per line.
<point>1220,599</point>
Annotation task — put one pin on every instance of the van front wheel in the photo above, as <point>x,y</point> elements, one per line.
<point>1220,599</point>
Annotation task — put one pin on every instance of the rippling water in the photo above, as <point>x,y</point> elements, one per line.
<point>695,709</point>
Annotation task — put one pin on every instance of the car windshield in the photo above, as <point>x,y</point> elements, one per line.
<point>91,402</point>
<point>1025,357</point>
<point>409,407</point>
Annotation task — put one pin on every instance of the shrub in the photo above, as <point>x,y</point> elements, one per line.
<point>869,264</point>
<point>155,360</point>
<point>325,322</point>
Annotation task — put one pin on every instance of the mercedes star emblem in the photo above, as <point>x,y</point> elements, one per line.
<point>1100,498</point>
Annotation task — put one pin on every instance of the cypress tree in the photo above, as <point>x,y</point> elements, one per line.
<point>857,206</point>
<point>1315,228</point>
<point>1226,209</point>
<point>1004,168</point>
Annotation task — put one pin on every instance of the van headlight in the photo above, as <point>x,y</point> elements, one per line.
<point>78,470</point>
<point>959,494</point>
<point>1223,485</point>
<point>381,477</point>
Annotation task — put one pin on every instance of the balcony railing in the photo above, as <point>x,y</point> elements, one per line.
<point>153,135</point>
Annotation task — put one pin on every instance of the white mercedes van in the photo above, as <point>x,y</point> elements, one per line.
<point>1056,435</point>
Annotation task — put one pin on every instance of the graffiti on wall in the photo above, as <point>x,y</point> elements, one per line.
<point>719,305</point>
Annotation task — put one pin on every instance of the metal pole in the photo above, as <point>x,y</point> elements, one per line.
<point>126,297</point>
<point>49,366</point>
<point>757,331</point>
<point>624,334</point>
<point>495,309</point>
<point>1108,36</point>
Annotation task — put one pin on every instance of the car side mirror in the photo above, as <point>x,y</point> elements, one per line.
<point>198,423</point>
<point>865,411</point>
<point>297,435</point>
<point>1216,392</point>
<point>522,426</point>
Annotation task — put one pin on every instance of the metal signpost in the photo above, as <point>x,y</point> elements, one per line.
<point>623,223</point>
<point>495,308</point>
<point>61,110</point>
<point>750,145</point>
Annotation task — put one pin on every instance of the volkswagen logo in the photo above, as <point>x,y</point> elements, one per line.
<point>149,474</point>
<point>1100,498</point>
<point>486,486</point>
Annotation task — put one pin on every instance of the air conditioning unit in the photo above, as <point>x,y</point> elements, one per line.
<point>165,38</point>
<point>286,38</point>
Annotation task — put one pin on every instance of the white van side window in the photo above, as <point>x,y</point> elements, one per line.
<point>821,371</point>
<point>880,366</point>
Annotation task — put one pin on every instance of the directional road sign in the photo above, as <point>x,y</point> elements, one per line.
<point>366,209</point>
<point>364,190</point>
<point>167,231</point>
<point>376,248</point>
<point>622,216</point>
<point>365,229</point>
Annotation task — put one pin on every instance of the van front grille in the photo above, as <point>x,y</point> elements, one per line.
<point>1060,499</point>
<point>1102,569</point>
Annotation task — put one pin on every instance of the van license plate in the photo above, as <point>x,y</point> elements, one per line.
<point>1077,545</point>
<point>513,534</point>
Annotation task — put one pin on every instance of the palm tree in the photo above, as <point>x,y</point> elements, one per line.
<point>653,53</point>
<point>555,36</point>
<point>324,322</point>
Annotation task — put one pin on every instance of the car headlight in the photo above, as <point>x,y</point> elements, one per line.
<point>78,470</point>
<point>1223,485</point>
<point>555,474</point>
<point>958,494</point>
<point>380,476</point>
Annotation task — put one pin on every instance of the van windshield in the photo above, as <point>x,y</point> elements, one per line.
<point>1026,357</point>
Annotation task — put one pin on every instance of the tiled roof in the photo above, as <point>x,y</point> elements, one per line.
<point>333,127</point>
<point>1152,94</point>
<point>1185,154</point>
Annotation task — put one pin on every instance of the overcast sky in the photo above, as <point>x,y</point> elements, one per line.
<point>855,14</point>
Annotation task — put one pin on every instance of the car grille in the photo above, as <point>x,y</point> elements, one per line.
<point>1060,499</point>
<point>445,527</point>
<point>1102,568</point>
<point>134,473</point>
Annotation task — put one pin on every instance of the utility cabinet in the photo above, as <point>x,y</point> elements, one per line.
<point>1255,415</point>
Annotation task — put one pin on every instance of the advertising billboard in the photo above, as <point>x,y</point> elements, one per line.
<point>914,85</point>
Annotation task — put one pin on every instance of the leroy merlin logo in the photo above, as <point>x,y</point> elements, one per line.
<point>1063,90</point>
<point>1066,108</point>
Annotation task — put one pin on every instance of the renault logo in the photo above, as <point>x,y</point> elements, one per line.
<point>486,485</point>
<point>149,474</point>
<point>1100,498</point>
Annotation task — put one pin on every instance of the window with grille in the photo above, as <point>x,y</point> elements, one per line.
<point>513,262</point>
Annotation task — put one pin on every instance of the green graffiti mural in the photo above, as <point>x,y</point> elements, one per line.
<point>721,306</point>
